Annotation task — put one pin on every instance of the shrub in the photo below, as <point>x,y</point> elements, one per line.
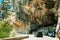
<point>5,29</point>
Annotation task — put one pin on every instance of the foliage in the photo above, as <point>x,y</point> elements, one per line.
<point>5,29</point>
<point>7,14</point>
<point>5,2</point>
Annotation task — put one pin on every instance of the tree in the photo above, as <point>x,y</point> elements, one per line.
<point>5,8</point>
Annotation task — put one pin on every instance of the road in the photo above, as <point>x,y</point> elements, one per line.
<point>31,37</point>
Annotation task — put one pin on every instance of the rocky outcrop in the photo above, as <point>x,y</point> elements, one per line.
<point>35,14</point>
<point>41,12</point>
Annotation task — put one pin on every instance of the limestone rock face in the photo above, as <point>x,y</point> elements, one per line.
<point>41,12</point>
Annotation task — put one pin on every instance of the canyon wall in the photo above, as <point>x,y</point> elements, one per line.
<point>41,12</point>
<point>37,13</point>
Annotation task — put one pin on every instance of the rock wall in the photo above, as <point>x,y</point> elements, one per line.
<point>37,13</point>
<point>41,12</point>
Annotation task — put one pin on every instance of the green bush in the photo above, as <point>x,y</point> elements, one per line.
<point>5,29</point>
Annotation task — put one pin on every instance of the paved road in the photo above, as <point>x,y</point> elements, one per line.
<point>31,37</point>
